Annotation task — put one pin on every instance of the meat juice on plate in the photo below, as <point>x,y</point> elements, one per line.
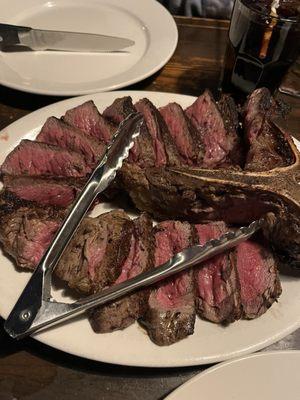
<point>264,40</point>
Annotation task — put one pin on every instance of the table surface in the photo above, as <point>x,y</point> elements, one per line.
<point>31,371</point>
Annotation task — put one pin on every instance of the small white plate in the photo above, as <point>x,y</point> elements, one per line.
<point>209,344</point>
<point>147,22</point>
<point>264,376</point>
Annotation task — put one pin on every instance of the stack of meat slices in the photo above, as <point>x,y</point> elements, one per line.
<point>112,248</point>
<point>42,177</point>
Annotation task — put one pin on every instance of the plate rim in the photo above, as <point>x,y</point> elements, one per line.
<point>224,364</point>
<point>190,360</point>
<point>172,27</point>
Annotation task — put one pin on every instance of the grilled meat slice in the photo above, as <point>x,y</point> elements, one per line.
<point>218,142</point>
<point>183,133</point>
<point>170,315</point>
<point>267,150</point>
<point>87,118</point>
<point>164,147</point>
<point>119,110</point>
<point>26,231</point>
<point>44,191</point>
<point>258,277</point>
<point>41,159</point>
<point>96,253</point>
<point>122,313</point>
<point>58,133</point>
<point>217,286</point>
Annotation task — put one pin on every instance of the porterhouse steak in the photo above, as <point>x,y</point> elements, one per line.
<point>185,165</point>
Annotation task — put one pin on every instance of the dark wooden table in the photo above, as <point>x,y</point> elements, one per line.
<point>31,371</point>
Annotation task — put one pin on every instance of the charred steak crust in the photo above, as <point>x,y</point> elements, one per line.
<point>119,110</point>
<point>230,115</point>
<point>122,313</point>
<point>267,150</point>
<point>170,314</point>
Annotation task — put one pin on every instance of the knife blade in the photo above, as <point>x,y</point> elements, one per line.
<point>38,289</point>
<point>41,39</point>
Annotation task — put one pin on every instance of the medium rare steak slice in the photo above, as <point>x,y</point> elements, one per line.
<point>40,159</point>
<point>58,133</point>
<point>267,150</point>
<point>162,142</point>
<point>120,109</point>
<point>87,118</point>
<point>142,153</point>
<point>218,142</point>
<point>183,133</point>
<point>259,106</point>
<point>170,315</point>
<point>44,191</point>
<point>258,277</point>
<point>26,231</point>
<point>230,115</point>
<point>122,313</point>
<point>96,253</point>
<point>217,286</point>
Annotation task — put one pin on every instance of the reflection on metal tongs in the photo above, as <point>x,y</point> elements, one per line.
<point>36,309</point>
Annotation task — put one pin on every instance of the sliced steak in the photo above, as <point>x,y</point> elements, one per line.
<point>45,191</point>
<point>258,277</point>
<point>162,142</point>
<point>267,149</point>
<point>95,255</point>
<point>142,152</point>
<point>56,132</point>
<point>217,286</point>
<point>183,133</point>
<point>230,115</point>
<point>40,159</point>
<point>119,110</point>
<point>87,118</point>
<point>122,313</point>
<point>218,142</point>
<point>26,231</point>
<point>170,315</point>
<point>259,106</point>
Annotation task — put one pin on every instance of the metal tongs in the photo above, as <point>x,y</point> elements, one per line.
<point>37,309</point>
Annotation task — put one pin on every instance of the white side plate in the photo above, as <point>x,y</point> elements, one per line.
<point>210,343</point>
<point>146,22</point>
<point>265,376</point>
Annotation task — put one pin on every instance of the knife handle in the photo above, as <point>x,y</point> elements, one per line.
<point>9,34</point>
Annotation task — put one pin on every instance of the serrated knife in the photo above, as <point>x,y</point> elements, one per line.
<point>23,37</point>
<point>38,290</point>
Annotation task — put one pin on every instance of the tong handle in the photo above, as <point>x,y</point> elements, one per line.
<point>27,306</point>
<point>9,34</point>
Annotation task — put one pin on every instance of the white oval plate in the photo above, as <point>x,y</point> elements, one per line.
<point>210,343</point>
<point>264,376</point>
<point>147,22</point>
